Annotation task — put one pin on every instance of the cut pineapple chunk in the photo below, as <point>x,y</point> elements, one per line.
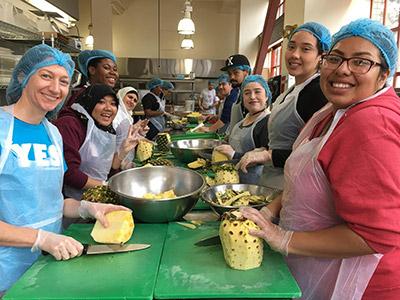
<point>199,163</point>
<point>119,231</point>
<point>218,156</point>
<point>144,150</point>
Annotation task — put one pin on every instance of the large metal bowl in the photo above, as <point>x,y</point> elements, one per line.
<point>189,150</point>
<point>132,184</point>
<point>209,195</point>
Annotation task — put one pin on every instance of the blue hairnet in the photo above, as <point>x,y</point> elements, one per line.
<point>320,32</point>
<point>373,31</point>
<point>167,85</point>
<point>223,78</point>
<point>260,80</point>
<point>87,55</point>
<point>154,82</point>
<point>34,59</point>
<point>243,68</point>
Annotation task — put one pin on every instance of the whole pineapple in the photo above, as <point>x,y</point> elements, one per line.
<point>160,162</point>
<point>241,250</point>
<point>100,194</point>
<point>144,150</point>
<point>162,140</point>
<point>226,173</point>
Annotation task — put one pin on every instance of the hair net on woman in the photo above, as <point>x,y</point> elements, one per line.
<point>86,56</point>
<point>259,79</point>
<point>223,78</point>
<point>154,82</point>
<point>34,59</point>
<point>373,31</point>
<point>126,90</point>
<point>320,32</point>
<point>167,85</point>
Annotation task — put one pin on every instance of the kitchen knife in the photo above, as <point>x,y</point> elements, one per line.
<point>109,248</point>
<point>210,241</point>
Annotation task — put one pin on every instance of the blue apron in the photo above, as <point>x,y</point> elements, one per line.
<point>29,197</point>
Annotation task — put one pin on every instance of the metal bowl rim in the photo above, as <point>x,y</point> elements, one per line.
<point>164,199</point>
<point>172,144</point>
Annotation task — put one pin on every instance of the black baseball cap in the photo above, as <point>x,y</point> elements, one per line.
<point>235,60</point>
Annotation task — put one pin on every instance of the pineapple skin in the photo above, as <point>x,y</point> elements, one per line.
<point>144,150</point>
<point>119,231</point>
<point>241,250</point>
<point>162,140</point>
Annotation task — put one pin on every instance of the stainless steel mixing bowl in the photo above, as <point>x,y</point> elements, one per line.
<point>132,184</point>
<point>189,150</point>
<point>209,195</point>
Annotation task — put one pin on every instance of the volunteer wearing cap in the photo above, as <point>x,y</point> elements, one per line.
<point>154,107</point>
<point>128,99</point>
<point>97,66</point>
<point>339,222</point>
<point>208,99</point>
<point>251,132</point>
<point>90,140</point>
<point>293,108</point>
<point>32,166</point>
<point>230,95</point>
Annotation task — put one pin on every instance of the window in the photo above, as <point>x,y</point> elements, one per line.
<point>281,9</point>
<point>274,60</point>
<point>388,13</point>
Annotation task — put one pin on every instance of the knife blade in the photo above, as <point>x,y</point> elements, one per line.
<point>210,241</point>
<point>109,248</point>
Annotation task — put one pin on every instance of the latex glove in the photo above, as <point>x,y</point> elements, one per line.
<point>256,156</point>
<point>130,142</point>
<point>62,247</point>
<point>276,237</point>
<point>143,127</point>
<point>203,129</point>
<point>98,211</point>
<point>267,214</point>
<point>226,149</point>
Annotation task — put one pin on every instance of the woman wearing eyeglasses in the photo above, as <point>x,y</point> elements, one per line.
<point>293,108</point>
<point>339,221</point>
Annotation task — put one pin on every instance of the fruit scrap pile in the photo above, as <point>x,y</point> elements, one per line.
<point>238,198</point>
<point>100,194</point>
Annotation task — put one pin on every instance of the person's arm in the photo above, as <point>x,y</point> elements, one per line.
<point>153,113</point>
<point>213,128</point>
<point>15,236</point>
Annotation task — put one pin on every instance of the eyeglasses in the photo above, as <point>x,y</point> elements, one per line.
<point>357,65</point>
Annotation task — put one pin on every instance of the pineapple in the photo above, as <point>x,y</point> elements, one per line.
<point>162,140</point>
<point>160,162</point>
<point>241,250</point>
<point>199,163</point>
<point>226,173</point>
<point>100,194</point>
<point>144,150</point>
<point>119,231</point>
<point>218,156</point>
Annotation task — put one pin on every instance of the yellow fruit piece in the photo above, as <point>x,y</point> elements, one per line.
<point>144,150</point>
<point>199,163</point>
<point>218,156</point>
<point>241,250</point>
<point>164,195</point>
<point>119,231</point>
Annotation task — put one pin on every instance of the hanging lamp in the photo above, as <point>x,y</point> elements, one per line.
<point>187,43</point>
<point>89,41</point>
<point>186,25</point>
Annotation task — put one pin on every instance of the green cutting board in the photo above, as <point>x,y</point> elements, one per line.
<point>192,272</point>
<point>130,275</point>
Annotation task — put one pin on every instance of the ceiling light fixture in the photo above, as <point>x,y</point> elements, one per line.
<point>186,25</point>
<point>187,43</point>
<point>89,41</point>
<point>47,7</point>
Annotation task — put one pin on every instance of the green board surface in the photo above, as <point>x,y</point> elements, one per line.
<point>192,272</point>
<point>129,275</point>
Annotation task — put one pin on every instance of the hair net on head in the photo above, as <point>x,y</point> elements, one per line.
<point>34,59</point>
<point>126,90</point>
<point>167,85</point>
<point>154,82</point>
<point>223,78</point>
<point>93,95</point>
<point>259,79</point>
<point>373,31</point>
<point>87,55</point>
<point>320,32</point>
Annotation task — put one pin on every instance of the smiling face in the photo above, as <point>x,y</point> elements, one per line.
<point>104,72</point>
<point>341,86</point>
<point>105,110</point>
<point>224,89</point>
<point>301,56</point>
<point>46,88</point>
<point>130,101</point>
<point>254,97</point>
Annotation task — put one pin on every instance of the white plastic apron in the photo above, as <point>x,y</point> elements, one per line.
<point>241,140</point>
<point>307,205</point>
<point>97,153</point>
<point>158,121</point>
<point>236,112</point>
<point>29,197</point>
<point>284,125</point>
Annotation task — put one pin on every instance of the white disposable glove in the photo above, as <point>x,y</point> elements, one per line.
<point>130,142</point>
<point>98,211</point>
<point>267,214</point>
<point>226,149</point>
<point>62,247</point>
<point>143,127</point>
<point>256,156</point>
<point>276,237</point>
